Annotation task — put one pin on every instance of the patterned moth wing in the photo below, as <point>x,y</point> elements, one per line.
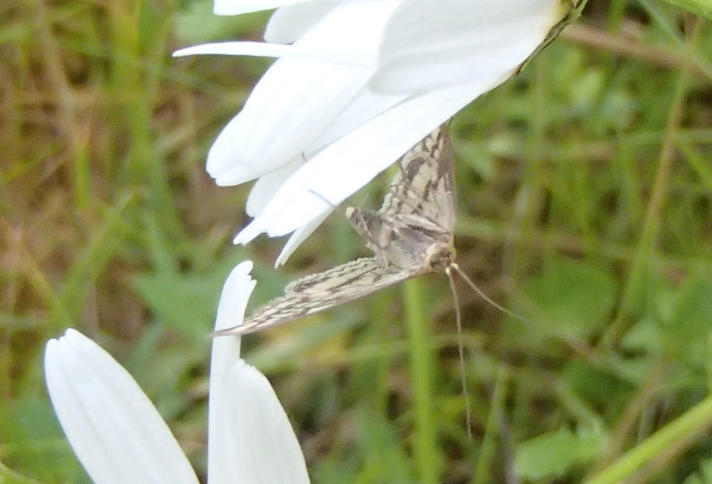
<point>425,184</point>
<point>411,234</point>
<point>414,227</point>
<point>323,290</point>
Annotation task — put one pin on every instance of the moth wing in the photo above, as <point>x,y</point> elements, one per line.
<point>322,291</point>
<point>425,183</point>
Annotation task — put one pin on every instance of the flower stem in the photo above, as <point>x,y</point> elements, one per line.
<point>420,352</point>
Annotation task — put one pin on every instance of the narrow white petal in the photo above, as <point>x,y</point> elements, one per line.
<point>348,164</point>
<point>264,49</point>
<point>298,237</point>
<point>298,98</point>
<point>236,7</point>
<point>255,49</point>
<point>428,44</point>
<point>250,438</point>
<point>112,426</point>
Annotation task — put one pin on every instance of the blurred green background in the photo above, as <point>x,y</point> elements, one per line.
<point>585,203</point>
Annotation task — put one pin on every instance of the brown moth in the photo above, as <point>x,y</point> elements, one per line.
<point>411,234</point>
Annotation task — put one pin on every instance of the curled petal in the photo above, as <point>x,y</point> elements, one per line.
<point>114,429</point>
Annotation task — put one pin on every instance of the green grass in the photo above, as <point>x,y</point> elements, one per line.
<point>584,203</point>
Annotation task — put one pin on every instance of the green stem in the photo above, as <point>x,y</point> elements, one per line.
<point>420,352</point>
<point>635,286</point>
<point>485,462</point>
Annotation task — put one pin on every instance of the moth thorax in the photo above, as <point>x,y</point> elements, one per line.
<point>439,256</point>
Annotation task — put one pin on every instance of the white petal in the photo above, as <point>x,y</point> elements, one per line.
<point>363,107</point>
<point>257,443</point>
<point>267,186</point>
<point>429,44</point>
<point>226,349</point>
<point>366,106</point>
<point>112,426</point>
<point>348,164</point>
<point>313,92</point>
<point>236,7</point>
<point>299,236</point>
<point>255,49</point>
<point>291,22</point>
<point>264,49</point>
<point>261,137</point>
<point>225,354</point>
<point>250,438</point>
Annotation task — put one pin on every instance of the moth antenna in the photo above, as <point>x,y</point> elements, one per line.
<point>488,299</point>
<point>461,352</point>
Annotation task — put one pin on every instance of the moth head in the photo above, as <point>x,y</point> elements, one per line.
<point>439,256</point>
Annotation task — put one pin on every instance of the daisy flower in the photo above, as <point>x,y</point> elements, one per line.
<point>119,437</point>
<point>356,84</point>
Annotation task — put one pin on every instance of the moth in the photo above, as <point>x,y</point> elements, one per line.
<point>411,234</point>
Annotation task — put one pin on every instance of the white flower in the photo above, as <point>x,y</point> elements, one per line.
<point>119,436</point>
<point>357,83</point>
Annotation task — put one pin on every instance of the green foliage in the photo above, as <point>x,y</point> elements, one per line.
<point>180,300</point>
<point>699,7</point>
<point>551,455</point>
<point>584,204</point>
<point>197,24</point>
<point>703,476</point>
<point>569,298</point>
